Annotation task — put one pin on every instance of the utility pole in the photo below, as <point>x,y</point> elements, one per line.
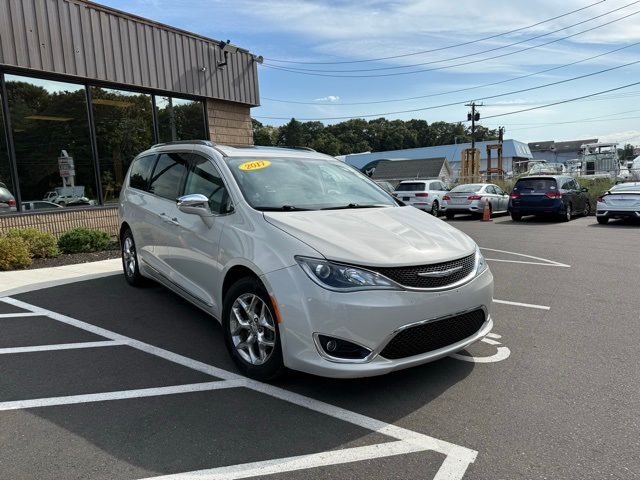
<point>473,116</point>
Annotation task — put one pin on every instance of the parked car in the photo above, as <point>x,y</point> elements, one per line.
<point>7,201</point>
<point>621,201</point>
<point>67,196</point>
<point>331,279</point>
<point>38,205</point>
<point>471,199</point>
<point>549,194</point>
<point>423,194</point>
<point>386,186</point>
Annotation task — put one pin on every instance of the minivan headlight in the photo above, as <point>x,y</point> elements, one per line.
<point>482,262</point>
<point>339,277</point>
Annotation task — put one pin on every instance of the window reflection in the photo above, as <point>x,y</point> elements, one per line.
<point>49,118</point>
<point>124,128</point>
<point>7,199</point>
<point>180,119</point>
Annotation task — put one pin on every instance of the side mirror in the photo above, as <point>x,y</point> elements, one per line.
<point>196,204</point>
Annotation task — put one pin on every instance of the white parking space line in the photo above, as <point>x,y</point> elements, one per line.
<point>490,341</point>
<point>457,460</point>
<point>547,262</point>
<point>145,347</point>
<point>526,305</point>
<point>121,395</point>
<point>61,346</point>
<point>22,314</point>
<point>302,462</point>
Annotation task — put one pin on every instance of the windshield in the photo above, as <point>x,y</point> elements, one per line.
<point>629,187</point>
<point>305,184</point>
<point>472,187</point>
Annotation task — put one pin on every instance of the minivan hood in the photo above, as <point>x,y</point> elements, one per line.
<point>394,236</point>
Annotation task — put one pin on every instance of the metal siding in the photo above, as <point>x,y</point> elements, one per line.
<point>66,37</point>
<point>72,37</point>
<point>7,42</point>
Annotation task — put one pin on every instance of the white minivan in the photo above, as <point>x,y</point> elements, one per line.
<point>306,262</point>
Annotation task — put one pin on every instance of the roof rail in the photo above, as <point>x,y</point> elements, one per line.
<point>308,149</point>
<point>208,143</point>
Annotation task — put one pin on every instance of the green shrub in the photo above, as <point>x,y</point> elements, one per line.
<point>596,188</point>
<point>40,244</point>
<point>14,253</point>
<point>84,240</point>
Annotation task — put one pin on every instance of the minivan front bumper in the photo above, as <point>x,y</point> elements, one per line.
<point>367,318</point>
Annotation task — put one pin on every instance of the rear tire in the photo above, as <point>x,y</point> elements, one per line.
<point>568,214</point>
<point>130,264</point>
<point>516,217</point>
<point>435,208</point>
<point>449,215</point>
<point>603,220</point>
<point>251,330</point>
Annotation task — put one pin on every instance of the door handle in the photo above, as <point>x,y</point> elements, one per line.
<point>165,218</point>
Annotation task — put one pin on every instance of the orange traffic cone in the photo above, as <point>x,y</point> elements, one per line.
<point>486,213</point>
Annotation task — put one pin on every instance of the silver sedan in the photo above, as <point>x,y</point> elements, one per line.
<point>471,199</point>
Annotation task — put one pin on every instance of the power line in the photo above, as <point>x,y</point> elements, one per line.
<point>563,101</point>
<point>458,103</point>
<point>440,48</point>
<point>444,67</point>
<point>460,89</point>
<point>502,47</point>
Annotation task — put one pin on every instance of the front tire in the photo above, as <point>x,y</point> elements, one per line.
<point>251,330</point>
<point>603,220</point>
<point>516,217</point>
<point>130,264</point>
<point>587,209</point>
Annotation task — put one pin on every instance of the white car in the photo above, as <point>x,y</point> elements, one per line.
<point>621,201</point>
<point>423,194</point>
<point>471,199</point>
<point>305,262</point>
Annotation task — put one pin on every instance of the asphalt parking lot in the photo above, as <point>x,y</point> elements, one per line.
<point>100,380</point>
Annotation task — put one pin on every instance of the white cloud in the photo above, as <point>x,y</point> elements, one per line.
<point>328,98</point>
<point>628,136</point>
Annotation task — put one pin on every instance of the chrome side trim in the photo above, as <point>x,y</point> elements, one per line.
<point>181,290</point>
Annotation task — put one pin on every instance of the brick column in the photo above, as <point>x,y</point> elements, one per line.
<point>229,123</point>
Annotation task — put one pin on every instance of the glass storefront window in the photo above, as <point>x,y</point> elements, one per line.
<point>49,119</point>
<point>7,198</point>
<point>124,128</point>
<point>180,119</point>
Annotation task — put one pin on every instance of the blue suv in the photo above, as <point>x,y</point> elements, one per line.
<point>548,194</point>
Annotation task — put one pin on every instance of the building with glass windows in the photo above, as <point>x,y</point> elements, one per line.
<point>84,88</point>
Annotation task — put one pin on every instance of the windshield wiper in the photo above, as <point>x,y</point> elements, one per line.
<point>283,208</point>
<point>355,205</point>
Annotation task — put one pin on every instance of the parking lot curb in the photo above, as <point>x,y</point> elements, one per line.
<point>22,281</point>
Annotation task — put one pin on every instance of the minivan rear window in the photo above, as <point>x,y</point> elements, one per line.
<point>411,187</point>
<point>527,184</point>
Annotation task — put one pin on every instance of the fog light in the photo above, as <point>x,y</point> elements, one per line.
<point>338,348</point>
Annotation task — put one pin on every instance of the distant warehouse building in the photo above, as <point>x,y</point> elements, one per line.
<point>558,152</point>
<point>84,88</point>
<point>512,151</point>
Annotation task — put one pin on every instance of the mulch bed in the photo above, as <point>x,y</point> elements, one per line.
<point>73,258</point>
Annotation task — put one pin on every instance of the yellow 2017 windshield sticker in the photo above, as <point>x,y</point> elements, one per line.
<point>254,165</point>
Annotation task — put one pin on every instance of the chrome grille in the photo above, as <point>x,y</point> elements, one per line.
<point>409,276</point>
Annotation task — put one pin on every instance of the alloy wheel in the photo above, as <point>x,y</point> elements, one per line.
<point>129,257</point>
<point>434,209</point>
<point>253,331</point>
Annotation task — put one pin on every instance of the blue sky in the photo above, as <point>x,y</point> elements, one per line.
<point>315,30</point>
